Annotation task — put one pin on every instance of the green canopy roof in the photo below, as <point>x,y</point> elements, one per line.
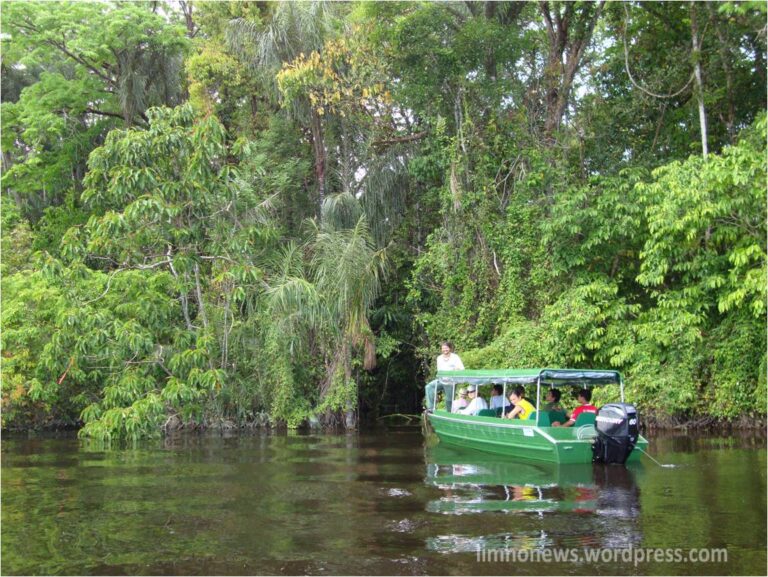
<point>555,377</point>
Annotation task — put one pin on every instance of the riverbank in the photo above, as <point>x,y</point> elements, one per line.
<point>649,422</point>
<point>701,423</point>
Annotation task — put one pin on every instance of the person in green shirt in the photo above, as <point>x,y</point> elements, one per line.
<point>553,400</point>
<point>556,412</point>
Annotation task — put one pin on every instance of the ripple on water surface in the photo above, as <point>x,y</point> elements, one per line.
<point>370,503</point>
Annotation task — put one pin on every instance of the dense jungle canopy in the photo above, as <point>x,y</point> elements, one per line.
<point>219,214</point>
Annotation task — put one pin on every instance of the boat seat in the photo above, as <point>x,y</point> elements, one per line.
<point>557,416</point>
<point>487,413</point>
<point>585,419</point>
<point>543,419</point>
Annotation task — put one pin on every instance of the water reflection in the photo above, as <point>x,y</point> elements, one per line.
<point>368,503</point>
<point>605,499</point>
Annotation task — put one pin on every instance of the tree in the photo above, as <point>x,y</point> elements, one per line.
<point>323,300</point>
<point>170,199</point>
<point>569,28</point>
<point>293,28</point>
<point>96,64</point>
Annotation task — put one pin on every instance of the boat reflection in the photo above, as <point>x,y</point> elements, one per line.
<point>565,506</point>
<point>479,483</point>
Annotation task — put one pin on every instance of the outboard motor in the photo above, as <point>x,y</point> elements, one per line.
<point>616,425</point>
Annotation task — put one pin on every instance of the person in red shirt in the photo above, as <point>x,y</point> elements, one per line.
<point>585,396</point>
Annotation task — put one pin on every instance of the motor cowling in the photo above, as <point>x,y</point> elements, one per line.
<point>617,432</point>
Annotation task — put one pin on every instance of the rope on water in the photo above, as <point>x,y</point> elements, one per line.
<point>663,465</point>
<point>406,417</point>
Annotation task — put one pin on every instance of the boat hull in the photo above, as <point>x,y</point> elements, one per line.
<point>519,439</point>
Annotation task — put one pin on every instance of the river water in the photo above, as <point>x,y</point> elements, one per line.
<point>380,502</point>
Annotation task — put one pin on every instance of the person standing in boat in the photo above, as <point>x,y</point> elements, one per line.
<point>447,360</point>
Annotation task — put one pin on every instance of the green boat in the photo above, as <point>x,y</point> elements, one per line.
<point>533,439</point>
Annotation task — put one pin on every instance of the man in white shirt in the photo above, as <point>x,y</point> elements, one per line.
<point>446,361</point>
<point>497,397</point>
<point>476,402</point>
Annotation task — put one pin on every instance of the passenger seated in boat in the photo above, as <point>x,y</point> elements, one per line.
<point>522,408</point>
<point>584,396</point>
<point>476,402</point>
<point>553,400</point>
<point>497,397</point>
<point>461,402</point>
<point>552,406</point>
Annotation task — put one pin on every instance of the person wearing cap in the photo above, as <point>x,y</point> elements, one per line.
<point>461,402</point>
<point>476,402</point>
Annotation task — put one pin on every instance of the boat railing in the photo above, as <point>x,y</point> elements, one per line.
<point>551,377</point>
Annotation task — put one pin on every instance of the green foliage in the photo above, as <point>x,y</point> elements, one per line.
<point>16,239</point>
<point>217,82</point>
<point>522,345</point>
<point>707,231</point>
<point>95,64</point>
<point>55,223</point>
<point>195,231</point>
<point>28,320</point>
<point>598,226</point>
<point>291,403</point>
<point>341,393</point>
<point>588,325</point>
<point>738,367</point>
<point>321,301</point>
<point>65,338</point>
<point>689,330</point>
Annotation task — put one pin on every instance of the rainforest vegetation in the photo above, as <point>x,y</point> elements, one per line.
<point>225,214</point>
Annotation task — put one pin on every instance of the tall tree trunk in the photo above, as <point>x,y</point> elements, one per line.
<point>490,57</point>
<point>569,32</point>
<point>199,294</point>
<point>318,148</point>
<point>350,413</point>
<point>726,55</point>
<point>699,82</point>
<point>225,331</point>
<point>186,9</point>
<point>182,294</point>
<point>756,44</point>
